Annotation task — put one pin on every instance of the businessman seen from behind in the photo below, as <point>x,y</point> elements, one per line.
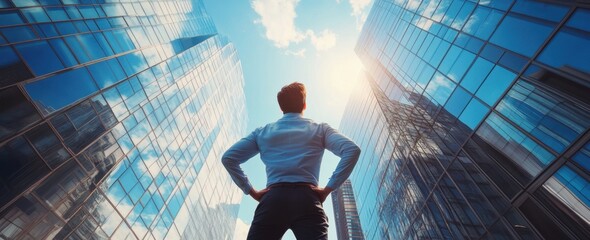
<point>291,149</point>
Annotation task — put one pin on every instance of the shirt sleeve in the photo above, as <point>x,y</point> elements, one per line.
<point>344,148</point>
<point>237,154</point>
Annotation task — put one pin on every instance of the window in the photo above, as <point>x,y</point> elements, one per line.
<point>21,167</point>
<point>458,101</point>
<point>520,35</point>
<point>440,88</point>
<point>40,57</point>
<point>57,14</point>
<point>478,72</point>
<point>495,84</point>
<point>66,28</point>
<point>580,20</point>
<point>12,69</point>
<point>63,52</point>
<point>547,11</point>
<point>56,92</point>
<point>527,154</point>
<point>568,50</point>
<point>107,73</point>
<point>551,119</point>
<point>36,14</point>
<point>482,22</point>
<point>17,113</point>
<point>10,18</point>
<point>92,47</point>
<point>48,146</point>
<point>18,34</point>
<point>473,113</point>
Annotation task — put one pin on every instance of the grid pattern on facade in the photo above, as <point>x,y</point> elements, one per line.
<point>346,216</point>
<point>113,118</point>
<point>474,120</point>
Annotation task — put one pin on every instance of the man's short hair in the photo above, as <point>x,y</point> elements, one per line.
<point>292,98</point>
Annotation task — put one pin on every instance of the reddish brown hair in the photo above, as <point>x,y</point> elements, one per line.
<point>292,98</point>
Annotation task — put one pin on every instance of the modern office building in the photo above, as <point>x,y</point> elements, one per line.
<point>113,117</point>
<point>346,217</point>
<point>474,118</point>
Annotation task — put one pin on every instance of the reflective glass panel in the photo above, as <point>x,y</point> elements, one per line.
<point>40,57</point>
<point>10,18</point>
<point>15,111</point>
<point>547,11</point>
<point>440,88</point>
<point>477,73</point>
<point>580,20</point>
<point>12,69</point>
<point>568,51</point>
<point>520,35</point>
<point>482,22</point>
<point>18,34</point>
<point>55,92</point>
<point>495,84</point>
<point>473,113</point>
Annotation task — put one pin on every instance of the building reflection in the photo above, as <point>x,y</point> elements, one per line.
<point>117,132</point>
<point>464,135</point>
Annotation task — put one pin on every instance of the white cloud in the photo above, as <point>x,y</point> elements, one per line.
<point>323,41</point>
<point>298,53</point>
<point>360,11</point>
<point>358,6</point>
<point>278,19</point>
<point>241,231</point>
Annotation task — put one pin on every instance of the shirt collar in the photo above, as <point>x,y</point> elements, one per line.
<point>292,115</point>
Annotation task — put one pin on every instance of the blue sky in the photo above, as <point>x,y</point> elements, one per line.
<point>282,41</point>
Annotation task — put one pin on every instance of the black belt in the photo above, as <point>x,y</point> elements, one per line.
<point>291,184</point>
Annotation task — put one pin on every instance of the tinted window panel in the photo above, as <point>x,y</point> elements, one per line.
<point>552,12</point>
<point>478,72</point>
<point>495,84</point>
<point>48,146</point>
<point>10,18</point>
<point>18,34</point>
<point>63,52</point>
<point>568,51</point>
<point>580,20</point>
<point>16,112</point>
<point>40,57</point>
<point>482,22</point>
<point>473,113</point>
<point>458,101</point>
<point>12,69</point>
<point>440,88</point>
<point>523,36</point>
<point>551,119</point>
<point>56,92</point>
<point>107,73</point>
<point>527,154</point>
<point>21,167</point>
<point>36,14</point>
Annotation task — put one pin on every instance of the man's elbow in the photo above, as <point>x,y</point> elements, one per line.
<point>355,151</point>
<point>226,160</point>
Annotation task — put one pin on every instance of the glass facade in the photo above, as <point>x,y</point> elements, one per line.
<point>113,118</point>
<point>474,120</point>
<point>346,217</point>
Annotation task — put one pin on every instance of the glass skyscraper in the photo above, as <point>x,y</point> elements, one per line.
<point>346,217</point>
<point>474,118</point>
<point>113,117</point>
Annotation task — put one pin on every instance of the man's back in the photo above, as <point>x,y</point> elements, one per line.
<point>292,150</point>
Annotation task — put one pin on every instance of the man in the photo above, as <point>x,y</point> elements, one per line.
<point>292,150</point>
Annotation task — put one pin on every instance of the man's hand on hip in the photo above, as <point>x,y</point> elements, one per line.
<point>257,195</point>
<point>322,192</point>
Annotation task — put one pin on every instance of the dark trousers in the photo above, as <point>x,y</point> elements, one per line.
<point>294,207</point>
